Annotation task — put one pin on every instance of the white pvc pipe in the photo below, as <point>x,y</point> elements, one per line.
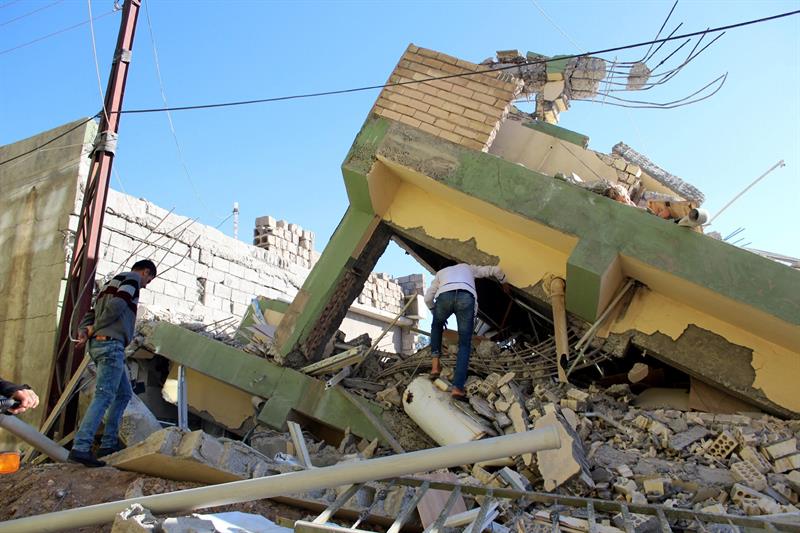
<point>294,482</point>
<point>435,414</point>
<point>30,435</point>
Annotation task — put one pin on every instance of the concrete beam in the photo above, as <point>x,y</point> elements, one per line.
<point>286,390</point>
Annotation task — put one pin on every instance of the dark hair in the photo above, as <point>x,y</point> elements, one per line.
<point>145,264</point>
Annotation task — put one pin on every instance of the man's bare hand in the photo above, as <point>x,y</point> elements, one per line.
<point>27,400</point>
<point>83,336</point>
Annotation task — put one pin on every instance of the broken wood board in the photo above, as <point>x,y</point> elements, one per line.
<point>335,362</point>
<point>432,503</point>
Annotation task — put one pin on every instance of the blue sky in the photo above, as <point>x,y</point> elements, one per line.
<point>283,159</point>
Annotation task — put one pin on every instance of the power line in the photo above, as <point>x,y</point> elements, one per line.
<point>63,30</point>
<point>169,115</point>
<point>395,84</point>
<point>29,13</point>
<point>96,63</point>
<point>11,3</point>
<point>54,139</point>
<point>461,75</point>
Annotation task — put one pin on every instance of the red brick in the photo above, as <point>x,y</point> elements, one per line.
<point>427,53</point>
<point>410,121</point>
<point>439,112</point>
<point>429,128</point>
<point>425,117</point>
<point>470,134</point>
<point>452,137</point>
<point>485,98</point>
<point>444,124</point>
<point>446,58</point>
<point>462,91</point>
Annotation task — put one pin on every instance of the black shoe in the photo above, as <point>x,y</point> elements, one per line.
<point>102,452</point>
<point>84,458</point>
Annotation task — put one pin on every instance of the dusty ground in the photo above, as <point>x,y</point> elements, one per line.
<point>56,487</point>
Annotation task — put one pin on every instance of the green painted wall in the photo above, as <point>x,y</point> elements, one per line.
<point>285,389</point>
<point>615,228</point>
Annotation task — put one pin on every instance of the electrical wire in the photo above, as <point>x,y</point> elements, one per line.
<point>8,4</point>
<point>30,13</point>
<point>395,84</point>
<point>58,32</point>
<point>96,63</point>
<point>181,158</point>
<point>460,75</point>
<point>51,141</point>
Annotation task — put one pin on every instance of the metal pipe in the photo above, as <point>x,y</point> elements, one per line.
<point>587,337</point>
<point>30,435</point>
<point>295,482</point>
<point>557,288</point>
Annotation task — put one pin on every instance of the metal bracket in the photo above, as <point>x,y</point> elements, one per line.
<point>123,55</point>
<point>106,141</point>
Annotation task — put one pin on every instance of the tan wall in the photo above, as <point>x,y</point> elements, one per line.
<point>465,110</point>
<point>38,195</point>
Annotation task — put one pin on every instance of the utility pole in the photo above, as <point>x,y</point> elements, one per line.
<point>80,279</point>
<point>236,220</point>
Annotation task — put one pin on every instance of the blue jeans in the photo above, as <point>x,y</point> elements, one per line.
<point>111,395</point>
<point>462,304</point>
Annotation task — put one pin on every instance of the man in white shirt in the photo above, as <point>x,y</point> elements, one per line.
<point>453,291</point>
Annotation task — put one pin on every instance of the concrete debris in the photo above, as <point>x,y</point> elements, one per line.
<point>192,456</point>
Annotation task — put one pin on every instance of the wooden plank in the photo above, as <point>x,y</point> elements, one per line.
<point>431,506</point>
<point>408,508</point>
<point>445,511</point>
<point>61,403</point>
<point>334,362</point>
<point>299,443</point>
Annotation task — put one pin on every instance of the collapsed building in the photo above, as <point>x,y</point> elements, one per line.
<point>665,359</point>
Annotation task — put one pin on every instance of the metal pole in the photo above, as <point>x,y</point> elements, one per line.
<point>780,163</point>
<point>29,434</point>
<point>80,279</point>
<point>183,405</point>
<point>296,482</point>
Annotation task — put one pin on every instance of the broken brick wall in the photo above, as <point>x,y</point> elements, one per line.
<point>465,110</point>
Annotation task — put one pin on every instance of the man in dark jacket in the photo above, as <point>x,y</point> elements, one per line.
<point>108,328</point>
<point>22,393</point>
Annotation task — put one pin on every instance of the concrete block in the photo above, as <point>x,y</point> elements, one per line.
<point>744,472</point>
<point>188,524</point>
<point>750,454</point>
<point>723,445</point>
<point>190,456</point>
<point>781,449</point>
<point>679,441</point>
<point>135,519</point>
<point>565,463</point>
<point>790,462</point>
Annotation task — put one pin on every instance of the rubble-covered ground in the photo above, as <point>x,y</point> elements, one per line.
<point>613,447</point>
<point>48,488</point>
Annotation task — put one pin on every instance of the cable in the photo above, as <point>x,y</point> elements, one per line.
<point>395,84</point>
<point>96,64</point>
<point>29,13</point>
<point>461,75</point>
<point>181,158</point>
<point>54,139</point>
<point>63,30</point>
<point>11,3</point>
<point>556,26</point>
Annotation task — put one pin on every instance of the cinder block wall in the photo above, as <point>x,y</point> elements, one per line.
<point>465,110</point>
<point>207,276</point>
<point>286,239</point>
<point>37,195</point>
